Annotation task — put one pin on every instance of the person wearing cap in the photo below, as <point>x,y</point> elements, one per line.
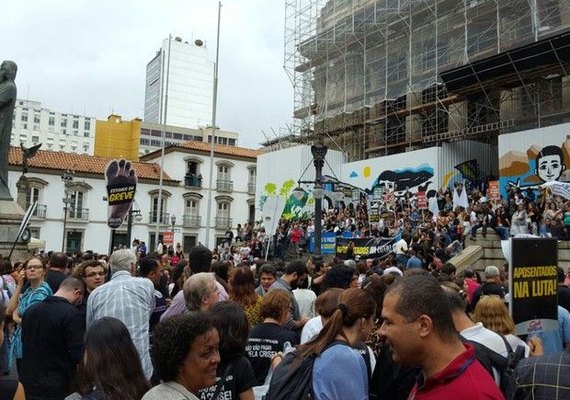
<point>491,286</point>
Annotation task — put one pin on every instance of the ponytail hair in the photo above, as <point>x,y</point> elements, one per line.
<point>353,304</point>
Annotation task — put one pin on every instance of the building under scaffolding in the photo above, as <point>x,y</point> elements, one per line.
<point>378,77</point>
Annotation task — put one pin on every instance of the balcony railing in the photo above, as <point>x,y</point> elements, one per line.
<point>251,188</point>
<point>164,218</point>
<point>193,181</point>
<point>40,212</point>
<point>191,221</point>
<point>78,214</point>
<point>224,185</point>
<point>223,223</point>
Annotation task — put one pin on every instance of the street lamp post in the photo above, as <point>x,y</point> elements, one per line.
<point>66,177</point>
<point>318,151</point>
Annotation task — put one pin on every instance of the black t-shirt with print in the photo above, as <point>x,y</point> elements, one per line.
<point>264,341</point>
<point>239,378</point>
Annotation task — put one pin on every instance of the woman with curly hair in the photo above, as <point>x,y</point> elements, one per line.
<point>493,313</point>
<point>185,357</point>
<point>111,368</point>
<point>242,291</point>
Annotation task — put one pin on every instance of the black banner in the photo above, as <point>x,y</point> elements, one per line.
<point>533,285</point>
<point>367,247</point>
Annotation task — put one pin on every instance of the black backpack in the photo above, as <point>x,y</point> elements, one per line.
<point>505,366</point>
<point>292,380</point>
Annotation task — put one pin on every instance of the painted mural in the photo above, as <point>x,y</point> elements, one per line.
<point>538,165</point>
<point>295,208</point>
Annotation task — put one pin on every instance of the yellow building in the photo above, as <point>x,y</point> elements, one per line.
<point>116,138</point>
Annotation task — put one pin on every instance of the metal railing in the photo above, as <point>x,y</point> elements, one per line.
<point>223,185</point>
<point>164,218</point>
<point>223,223</point>
<point>191,221</point>
<point>251,188</point>
<point>193,181</point>
<point>78,214</point>
<point>40,212</point>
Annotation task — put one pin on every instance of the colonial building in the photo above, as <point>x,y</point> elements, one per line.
<point>72,210</point>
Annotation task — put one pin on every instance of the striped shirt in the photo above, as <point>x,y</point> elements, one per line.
<point>130,300</point>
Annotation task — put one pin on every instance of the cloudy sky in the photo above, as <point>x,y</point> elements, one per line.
<point>89,57</point>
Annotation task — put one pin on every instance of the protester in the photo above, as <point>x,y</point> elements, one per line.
<point>339,371</point>
<point>111,368</point>
<point>236,376</point>
<point>418,324</point>
<point>242,291</point>
<point>93,273</point>
<point>494,314</point>
<point>10,388</point>
<point>185,357</point>
<point>545,377</point>
<point>295,272</point>
<point>131,300</point>
<point>267,276</point>
<point>150,268</point>
<point>269,337</point>
<point>32,273</point>
<point>325,306</point>
<point>57,270</point>
<point>52,342</point>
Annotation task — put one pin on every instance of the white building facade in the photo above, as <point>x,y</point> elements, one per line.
<point>57,131</point>
<point>183,211</point>
<point>190,85</point>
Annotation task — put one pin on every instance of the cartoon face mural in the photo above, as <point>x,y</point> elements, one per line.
<point>549,164</point>
<point>528,171</point>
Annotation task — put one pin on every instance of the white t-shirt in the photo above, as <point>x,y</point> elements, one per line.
<point>311,329</point>
<point>478,333</point>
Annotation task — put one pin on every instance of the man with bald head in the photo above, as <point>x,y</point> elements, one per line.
<point>8,95</point>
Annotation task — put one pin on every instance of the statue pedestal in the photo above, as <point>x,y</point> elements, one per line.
<point>11,215</point>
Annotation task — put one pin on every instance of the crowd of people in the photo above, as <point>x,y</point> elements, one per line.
<point>154,326</point>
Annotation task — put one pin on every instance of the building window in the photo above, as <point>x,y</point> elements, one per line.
<point>75,209</point>
<point>33,194</point>
<point>155,213</point>
<point>145,142</point>
<point>87,125</point>
<point>224,173</point>
<point>25,126</point>
<point>24,117</point>
<point>75,124</point>
<point>36,119</point>
<point>64,122</point>
<point>177,136</point>
<point>192,207</point>
<point>86,148</point>
<point>35,139</point>
<point>51,121</point>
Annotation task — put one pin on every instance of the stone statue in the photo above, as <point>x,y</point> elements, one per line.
<point>8,94</point>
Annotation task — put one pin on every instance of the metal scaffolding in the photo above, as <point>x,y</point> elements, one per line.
<point>376,77</point>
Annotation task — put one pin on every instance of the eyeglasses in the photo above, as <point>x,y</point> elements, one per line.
<point>29,267</point>
<point>94,274</point>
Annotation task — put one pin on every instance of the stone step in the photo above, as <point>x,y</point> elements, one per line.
<point>469,256</point>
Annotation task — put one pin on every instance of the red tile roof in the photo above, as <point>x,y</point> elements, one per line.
<point>218,149</point>
<point>80,163</point>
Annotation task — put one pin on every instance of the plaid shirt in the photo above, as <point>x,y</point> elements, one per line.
<point>131,300</point>
<point>544,378</point>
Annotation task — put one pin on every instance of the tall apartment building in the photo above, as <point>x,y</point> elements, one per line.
<point>379,77</point>
<point>33,124</point>
<point>190,83</point>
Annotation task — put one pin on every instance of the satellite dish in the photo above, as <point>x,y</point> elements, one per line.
<point>198,43</point>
